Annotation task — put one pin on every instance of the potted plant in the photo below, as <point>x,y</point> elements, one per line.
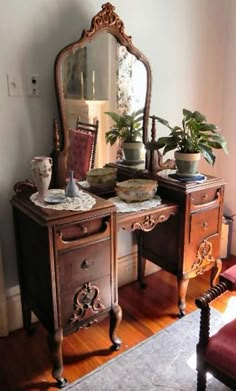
<point>195,137</point>
<point>127,129</point>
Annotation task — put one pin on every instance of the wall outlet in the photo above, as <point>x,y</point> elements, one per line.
<point>33,85</point>
<point>14,85</point>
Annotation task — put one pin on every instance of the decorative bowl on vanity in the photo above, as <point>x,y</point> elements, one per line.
<point>134,190</point>
<point>102,176</point>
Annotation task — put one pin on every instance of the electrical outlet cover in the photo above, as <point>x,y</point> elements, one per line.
<point>33,85</point>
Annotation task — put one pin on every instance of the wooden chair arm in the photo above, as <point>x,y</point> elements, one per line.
<point>206,298</point>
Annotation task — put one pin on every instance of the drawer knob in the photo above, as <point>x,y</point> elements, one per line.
<point>205,225</point>
<point>85,265</point>
<point>84,229</point>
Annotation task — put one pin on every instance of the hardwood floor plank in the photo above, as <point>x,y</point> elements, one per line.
<point>25,363</point>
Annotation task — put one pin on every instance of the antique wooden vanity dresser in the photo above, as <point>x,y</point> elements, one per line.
<point>67,259</point>
<point>67,269</point>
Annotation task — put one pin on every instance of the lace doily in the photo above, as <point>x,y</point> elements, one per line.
<point>124,207</point>
<point>84,184</point>
<point>83,202</point>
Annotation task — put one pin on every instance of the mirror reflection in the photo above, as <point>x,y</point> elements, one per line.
<point>102,72</point>
<point>95,83</point>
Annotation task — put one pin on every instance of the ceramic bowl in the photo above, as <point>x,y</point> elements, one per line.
<point>101,176</point>
<point>134,190</point>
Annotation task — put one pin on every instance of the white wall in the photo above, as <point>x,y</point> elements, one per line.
<point>190,50</point>
<point>227,163</point>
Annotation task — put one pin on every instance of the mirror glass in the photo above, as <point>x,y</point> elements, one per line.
<point>101,72</point>
<point>116,77</point>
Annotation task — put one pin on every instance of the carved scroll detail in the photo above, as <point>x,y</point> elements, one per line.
<point>155,159</point>
<point>149,222</point>
<point>204,257</point>
<point>56,136</point>
<point>86,302</point>
<point>106,18</point>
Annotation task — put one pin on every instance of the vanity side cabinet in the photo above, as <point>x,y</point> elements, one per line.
<point>188,244</point>
<point>200,220</point>
<point>36,270</point>
<point>67,270</point>
<point>85,265</point>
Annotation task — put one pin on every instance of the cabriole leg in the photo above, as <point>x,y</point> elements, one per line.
<point>182,290</point>
<point>55,347</point>
<point>115,319</point>
<point>215,271</point>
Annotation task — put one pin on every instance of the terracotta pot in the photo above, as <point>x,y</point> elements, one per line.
<point>42,172</point>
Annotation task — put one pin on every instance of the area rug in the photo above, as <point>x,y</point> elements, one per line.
<point>166,361</point>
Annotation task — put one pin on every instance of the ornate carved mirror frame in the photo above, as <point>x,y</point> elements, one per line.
<point>106,20</point>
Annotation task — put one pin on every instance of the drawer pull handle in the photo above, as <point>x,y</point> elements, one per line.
<point>205,225</point>
<point>85,265</point>
<point>209,204</point>
<point>103,233</point>
<point>84,229</point>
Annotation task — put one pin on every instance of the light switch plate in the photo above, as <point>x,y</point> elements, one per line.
<point>14,85</point>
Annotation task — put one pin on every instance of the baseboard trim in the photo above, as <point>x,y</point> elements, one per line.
<point>233,243</point>
<point>4,327</point>
<point>127,269</point>
<point>15,320</point>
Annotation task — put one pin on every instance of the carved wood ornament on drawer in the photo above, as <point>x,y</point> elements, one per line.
<point>86,302</point>
<point>149,223</point>
<point>204,257</point>
<point>204,261</point>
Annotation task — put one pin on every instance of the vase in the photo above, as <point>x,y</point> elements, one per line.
<point>42,172</point>
<point>71,189</point>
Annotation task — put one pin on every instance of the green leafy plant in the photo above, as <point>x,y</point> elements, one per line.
<point>195,135</point>
<point>127,127</point>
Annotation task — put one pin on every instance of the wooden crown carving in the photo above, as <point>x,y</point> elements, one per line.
<point>105,19</point>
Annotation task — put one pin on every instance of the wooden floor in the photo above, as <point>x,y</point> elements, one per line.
<point>25,363</point>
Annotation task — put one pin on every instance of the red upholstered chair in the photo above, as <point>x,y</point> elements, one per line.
<point>82,148</point>
<point>216,354</point>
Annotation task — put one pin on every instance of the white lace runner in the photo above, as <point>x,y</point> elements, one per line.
<point>83,202</point>
<point>125,207</point>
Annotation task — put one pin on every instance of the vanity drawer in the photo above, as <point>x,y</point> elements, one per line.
<point>84,264</point>
<point>204,199</point>
<point>82,232</point>
<point>204,224</point>
<point>84,302</point>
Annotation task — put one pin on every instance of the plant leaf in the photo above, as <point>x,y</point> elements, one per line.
<point>199,117</point>
<point>207,153</point>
